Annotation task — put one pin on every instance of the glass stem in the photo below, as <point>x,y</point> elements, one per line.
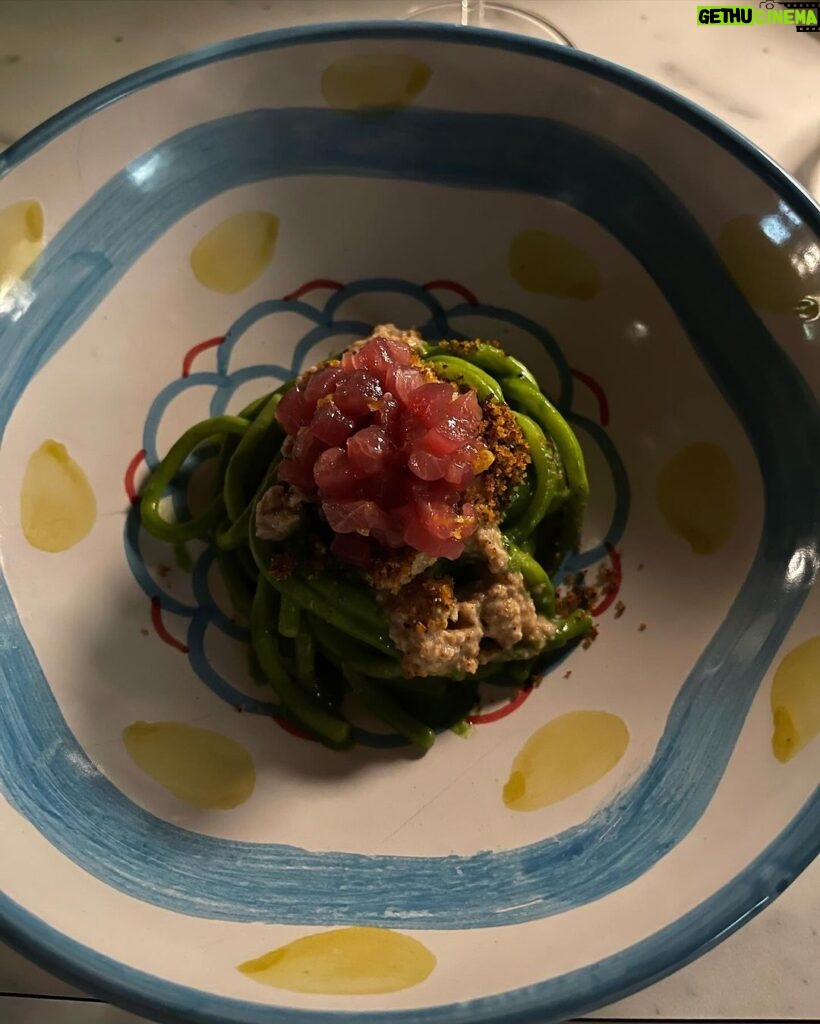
<point>471,12</point>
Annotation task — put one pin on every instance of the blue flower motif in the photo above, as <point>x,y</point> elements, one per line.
<point>349,312</point>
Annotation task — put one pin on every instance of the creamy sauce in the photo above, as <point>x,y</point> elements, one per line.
<point>563,757</point>
<point>796,700</point>
<point>345,961</point>
<point>762,269</point>
<point>200,767</point>
<point>697,494</point>
<point>57,505</point>
<point>553,265</point>
<point>234,253</point>
<point>374,82</point>
<point>21,240</point>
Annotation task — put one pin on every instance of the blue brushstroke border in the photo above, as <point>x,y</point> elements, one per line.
<point>569,995</point>
<point>799,840</point>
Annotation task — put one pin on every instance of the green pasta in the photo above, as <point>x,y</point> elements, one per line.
<point>304,707</point>
<point>548,481</point>
<point>236,472</point>
<point>318,633</point>
<point>381,704</point>
<point>468,375</point>
<point>236,584</point>
<point>491,359</point>
<point>163,475</point>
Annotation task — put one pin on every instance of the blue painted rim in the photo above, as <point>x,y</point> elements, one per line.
<point>616,976</point>
<point>569,995</point>
<point>748,152</point>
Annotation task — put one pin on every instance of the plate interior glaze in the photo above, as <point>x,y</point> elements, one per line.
<point>169,840</point>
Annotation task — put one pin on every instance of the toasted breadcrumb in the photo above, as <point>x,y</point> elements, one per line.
<point>423,604</point>
<point>395,569</point>
<point>606,579</point>
<point>575,593</point>
<point>590,638</point>
<point>511,457</point>
<point>282,567</point>
<point>464,346</point>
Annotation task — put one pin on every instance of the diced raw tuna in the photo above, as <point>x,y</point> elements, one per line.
<point>387,452</point>
<point>460,470</point>
<point>431,402</point>
<point>402,381</point>
<point>334,475</point>
<point>388,413</point>
<point>426,466</point>
<point>322,383</point>
<point>358,394</point>
<point>354,549</point>
<point>330,424</point>
<point>354,516</point>
<point>292,411</point>
<point>375,358</point>
<point>369,450</point>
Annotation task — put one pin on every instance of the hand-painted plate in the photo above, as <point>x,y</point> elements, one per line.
<point>178,241</point>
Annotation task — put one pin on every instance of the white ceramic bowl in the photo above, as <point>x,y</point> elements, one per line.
<point>658,272</point>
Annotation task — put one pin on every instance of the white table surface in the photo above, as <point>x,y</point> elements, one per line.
<point>771,968</point>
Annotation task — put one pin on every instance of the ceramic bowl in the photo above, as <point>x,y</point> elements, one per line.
<point>172,245</point>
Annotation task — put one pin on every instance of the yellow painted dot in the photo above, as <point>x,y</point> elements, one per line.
<point>374,82</point>
<point>796,700</point>
<point>563,757</point>
<point>515,788</point>
<point>761,266</point>
<point>57,505</point>
<point>234,253</point>
<point>22,227</point>
<point>345,962</point>
<point>697,494</point>
<point>199,766</point>
<point>552,265</point>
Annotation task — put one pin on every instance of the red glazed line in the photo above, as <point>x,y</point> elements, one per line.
<point>192,353</point>
<point>161,631</point>
<point>598,391</point>
<point>452,286</point>
<point>320,282</point>
<point>615,559</point>
<point>130,474</point>
<point>502,712</point>
<point>294,730</point>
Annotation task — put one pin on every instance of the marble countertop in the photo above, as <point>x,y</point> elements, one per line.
<point>768,970</point>
<point>721,70</point>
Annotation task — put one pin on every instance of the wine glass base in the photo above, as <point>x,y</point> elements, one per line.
<point>501,17</point>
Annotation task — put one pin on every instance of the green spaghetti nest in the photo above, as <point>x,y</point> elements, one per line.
<point>322,632</point>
